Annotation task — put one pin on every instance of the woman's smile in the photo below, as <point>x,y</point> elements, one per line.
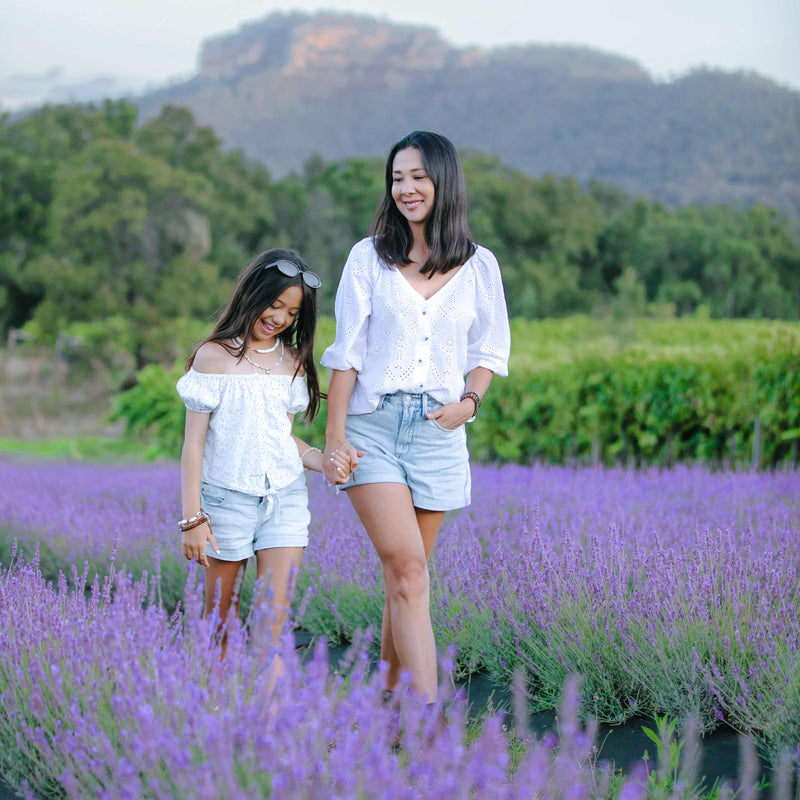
<point>412,189</point>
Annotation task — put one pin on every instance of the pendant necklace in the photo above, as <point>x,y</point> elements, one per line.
<point>267,370</point>
<point>238,342</point>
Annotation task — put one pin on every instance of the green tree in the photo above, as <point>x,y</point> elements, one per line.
<point>240,203</point>
<point>32,150</point>
<point>129,238</point>
<point>325,211</point>
<point>542,231</point>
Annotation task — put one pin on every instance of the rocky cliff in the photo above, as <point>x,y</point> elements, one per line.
<point>293,85</point>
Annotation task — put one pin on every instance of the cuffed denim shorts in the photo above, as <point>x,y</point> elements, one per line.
<point>401,446</point>
<point>243,523</point>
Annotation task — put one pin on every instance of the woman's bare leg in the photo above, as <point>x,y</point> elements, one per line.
<point>429,524</point>
<point>403,539</point>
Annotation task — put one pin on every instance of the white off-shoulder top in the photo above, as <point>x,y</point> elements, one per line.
<point>397,341</point>
<point>249,444</point>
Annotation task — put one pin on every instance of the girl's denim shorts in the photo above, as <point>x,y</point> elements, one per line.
<point>243,523</point>
<point>401,446</point>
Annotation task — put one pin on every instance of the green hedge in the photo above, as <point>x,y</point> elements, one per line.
<point>646,392</point>
<point>599,391</point>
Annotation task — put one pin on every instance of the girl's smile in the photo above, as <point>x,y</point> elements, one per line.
<point>277,317</point>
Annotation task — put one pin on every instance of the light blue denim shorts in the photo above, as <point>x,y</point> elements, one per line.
<point>401,446</point>
<point>243,523</point>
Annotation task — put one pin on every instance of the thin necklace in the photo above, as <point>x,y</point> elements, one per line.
<point>266,369</point>
<point>238,342</point>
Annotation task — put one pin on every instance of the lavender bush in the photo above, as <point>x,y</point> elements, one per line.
<point>105,695</point>
<point>74,512</point>
<point>669,592</point>
<point>110,697</point>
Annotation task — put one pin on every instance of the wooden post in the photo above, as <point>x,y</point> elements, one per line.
<point>596,451</point>
<point>571,447</point>
<point>732,450</point>
<point>755,462</point>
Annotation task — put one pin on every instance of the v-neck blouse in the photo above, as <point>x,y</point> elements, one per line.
<point>399,341</point>
<point>249,443</point>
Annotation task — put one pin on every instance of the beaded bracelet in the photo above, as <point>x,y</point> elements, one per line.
<point>193,522</point>
<point>475,397</point>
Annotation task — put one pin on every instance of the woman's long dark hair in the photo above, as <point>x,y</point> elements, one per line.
<point>256,289</point>
<point>447,231</point>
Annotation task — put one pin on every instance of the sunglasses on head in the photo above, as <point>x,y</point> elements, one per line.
<point>290,269</point>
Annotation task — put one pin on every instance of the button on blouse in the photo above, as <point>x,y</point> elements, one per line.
<point>397,341</point>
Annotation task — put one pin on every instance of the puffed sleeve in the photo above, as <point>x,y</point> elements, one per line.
<point>353,308</point>
<point>298,396</point>
<point>489,338</point>
<point>199,391</point>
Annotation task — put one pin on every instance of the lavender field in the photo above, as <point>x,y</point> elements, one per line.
<point>670,593</point>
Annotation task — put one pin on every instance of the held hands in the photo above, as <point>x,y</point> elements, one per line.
<point>339,461</point>
<point>453,415</point>
<point>194,543</point>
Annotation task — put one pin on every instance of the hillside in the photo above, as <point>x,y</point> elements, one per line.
<point>293,85</point>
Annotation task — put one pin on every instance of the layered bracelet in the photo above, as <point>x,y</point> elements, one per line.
<point>475,397</point>
<point>192,522</point>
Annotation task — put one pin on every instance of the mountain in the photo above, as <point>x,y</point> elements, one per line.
<point>338,85</point>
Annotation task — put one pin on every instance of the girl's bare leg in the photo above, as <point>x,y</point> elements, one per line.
<point>277,569</point>
<point>224,573</point>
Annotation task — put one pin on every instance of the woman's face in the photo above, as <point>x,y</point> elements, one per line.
<point>412,188</point>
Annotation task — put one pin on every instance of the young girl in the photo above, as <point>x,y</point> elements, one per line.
<point>243,487</point>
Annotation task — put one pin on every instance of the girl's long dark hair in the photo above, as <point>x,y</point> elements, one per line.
<point>256,289</point>
<point>447,231</point>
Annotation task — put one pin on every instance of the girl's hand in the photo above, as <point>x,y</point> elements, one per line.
<point>194,543</point>
<point>453,415</point>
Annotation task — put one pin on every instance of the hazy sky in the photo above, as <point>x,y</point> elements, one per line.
<point>152,41</point>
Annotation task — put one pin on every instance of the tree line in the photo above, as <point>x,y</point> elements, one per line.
<point>130,234</point>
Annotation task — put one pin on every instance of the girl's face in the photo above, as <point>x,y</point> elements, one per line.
<point>277,317</point>
<point>412,188</point>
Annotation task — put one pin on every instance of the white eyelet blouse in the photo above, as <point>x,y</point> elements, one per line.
<point>397,341</point>
<point>249,444</point>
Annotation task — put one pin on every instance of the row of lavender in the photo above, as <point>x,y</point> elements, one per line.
<point>668,592</point>
<point>105,695</point>
<point>671,592</point>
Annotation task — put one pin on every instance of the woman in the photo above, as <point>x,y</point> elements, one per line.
<point>421,327</point>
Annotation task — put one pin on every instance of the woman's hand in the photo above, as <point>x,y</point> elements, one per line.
<point>453,415</point>
<point>194,543</point>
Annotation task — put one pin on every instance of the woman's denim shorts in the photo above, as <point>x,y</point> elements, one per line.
<point>243,523</point>
<point>401,446</point>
